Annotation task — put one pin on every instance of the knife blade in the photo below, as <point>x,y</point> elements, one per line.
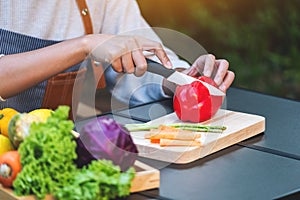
<point>178,77</point>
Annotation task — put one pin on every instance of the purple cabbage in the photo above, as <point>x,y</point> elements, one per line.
<point>104,138</point>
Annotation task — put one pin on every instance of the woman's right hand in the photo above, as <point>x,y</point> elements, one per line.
<point>124,53</point>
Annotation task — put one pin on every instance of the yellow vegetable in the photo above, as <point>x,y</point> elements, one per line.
<point>5,145</point>
<point>42,113</point>
<point>5,116</point>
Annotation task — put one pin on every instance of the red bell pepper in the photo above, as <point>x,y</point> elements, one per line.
<point>193,102</point>
<point>207,80</point>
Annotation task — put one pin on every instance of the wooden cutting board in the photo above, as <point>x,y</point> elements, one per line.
<point>146,178</point>
<point>239,126</point>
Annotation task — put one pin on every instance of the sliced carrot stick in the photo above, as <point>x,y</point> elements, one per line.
<point>155,141</point>
<point>169,128</point>
<point>181,135</point>
<point>168,142</point>
<point>147,135</point>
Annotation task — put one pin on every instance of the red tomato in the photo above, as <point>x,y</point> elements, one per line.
<point>193,102</point>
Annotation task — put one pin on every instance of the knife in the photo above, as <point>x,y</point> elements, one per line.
<point>178,78</point>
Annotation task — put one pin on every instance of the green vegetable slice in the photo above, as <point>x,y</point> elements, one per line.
<point>184,126</point>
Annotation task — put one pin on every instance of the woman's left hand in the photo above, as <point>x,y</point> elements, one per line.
<point>217,69</point>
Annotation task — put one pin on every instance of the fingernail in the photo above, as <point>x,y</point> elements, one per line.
<point>169,64</point>
<point>191,72</point>
<point>222,87</point>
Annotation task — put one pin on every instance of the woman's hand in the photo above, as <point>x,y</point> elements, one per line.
<point>125,53</point>
<point>217,69</point>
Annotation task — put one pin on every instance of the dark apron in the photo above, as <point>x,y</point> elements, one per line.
<point>32,98</point>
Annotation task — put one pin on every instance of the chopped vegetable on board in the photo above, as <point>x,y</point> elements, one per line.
<point>177,134</point>
<point>171,136</point>
<point>197,127</point>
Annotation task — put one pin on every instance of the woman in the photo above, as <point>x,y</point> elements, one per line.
<point>31,32</point>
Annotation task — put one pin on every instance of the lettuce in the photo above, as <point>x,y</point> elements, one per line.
<point>47,156</point>
<point>100,180</point>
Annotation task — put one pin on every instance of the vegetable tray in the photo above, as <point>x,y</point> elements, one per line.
<point>239,126</point>
<point>146,178</point>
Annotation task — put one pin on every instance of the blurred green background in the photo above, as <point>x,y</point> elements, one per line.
<point>260,39</point>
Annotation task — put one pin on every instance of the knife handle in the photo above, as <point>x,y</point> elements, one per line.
<point>157,68</point>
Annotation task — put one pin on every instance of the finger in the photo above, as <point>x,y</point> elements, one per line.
<point>156,48</point>
<point>163,57</point>
<point>204,65</point>
<point>209,65</point>
<point>198,66</point>
<point>139,62</point>
<point>220,70</point>
<point>117,65</point>
<point>127,63</point>
<point>194,71</point>
<point>191,71</point>
<point>228,80</point>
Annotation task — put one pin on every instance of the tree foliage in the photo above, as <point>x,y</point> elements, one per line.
<point>261,39</point>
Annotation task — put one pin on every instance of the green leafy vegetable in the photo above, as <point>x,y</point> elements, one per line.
<point>100,180</point>
<point>47,158</point>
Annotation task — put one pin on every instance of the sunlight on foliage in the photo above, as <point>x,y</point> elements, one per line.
<point>259,38</point>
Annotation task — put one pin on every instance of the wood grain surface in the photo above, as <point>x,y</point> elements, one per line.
<point>239,126</point>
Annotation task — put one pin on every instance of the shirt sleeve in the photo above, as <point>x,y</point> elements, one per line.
<point>124,17</point>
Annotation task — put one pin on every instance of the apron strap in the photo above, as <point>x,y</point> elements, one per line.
<point>85,16</point>
<point>88,27</point>
<point>59,89</point>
